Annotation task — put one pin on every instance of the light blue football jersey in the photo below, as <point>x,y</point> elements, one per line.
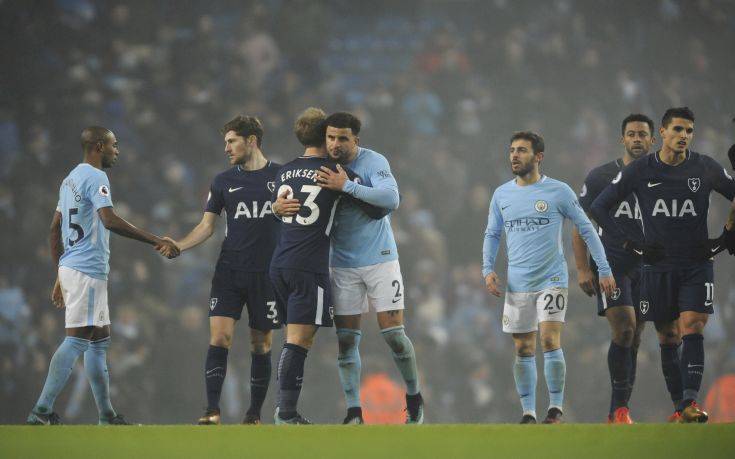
<point>532,217</point>
<point>358,240</point>
<point>86,240</point>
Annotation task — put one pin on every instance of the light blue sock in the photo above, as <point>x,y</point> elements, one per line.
<point>95,365</point>
<point>524,372</point>
<point>404,356</point>
<point>61,366</point>
<point>349,364</point>
<point>555,371</point>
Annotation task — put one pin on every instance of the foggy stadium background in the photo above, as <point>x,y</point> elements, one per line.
<point>439,85</point>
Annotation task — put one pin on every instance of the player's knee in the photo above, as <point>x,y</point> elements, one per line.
<point>550,343</point>
<point>347,339</point>
<point>397,340</point>
<point>221,340</point>
<point>260,341</point>
<point>624,335</point>
<point>693,327</point>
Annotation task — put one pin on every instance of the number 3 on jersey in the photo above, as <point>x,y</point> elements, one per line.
<point>313,192</point>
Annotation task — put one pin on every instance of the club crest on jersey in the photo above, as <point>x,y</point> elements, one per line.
<point>271,186</point>
<point>212,303</point>
<point>615,294</point>
<point>644,306</point>
<point>694,183</point>
<point>104,191</point>
<point>541,206</point>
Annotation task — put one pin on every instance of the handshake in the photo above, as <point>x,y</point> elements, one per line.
<point>167,247</point>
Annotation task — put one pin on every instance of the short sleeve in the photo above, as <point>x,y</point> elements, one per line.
<point>721,180</point>
<point>215,200</point>
<point>99,191</point>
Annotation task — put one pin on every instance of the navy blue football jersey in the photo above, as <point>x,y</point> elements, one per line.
<point>304,240</point>
<point>252,230</point>
<point>626,215</point>
<point>674,201</point>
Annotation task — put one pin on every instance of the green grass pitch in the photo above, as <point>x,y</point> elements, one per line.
<point>568,441</point>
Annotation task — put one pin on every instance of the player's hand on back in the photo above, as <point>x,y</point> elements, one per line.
<point>284,207</point>
<point>586,280</point>
<point>56,296</point>
<point>607,285</point>
<point>493,284</point>
<point>327,178</point>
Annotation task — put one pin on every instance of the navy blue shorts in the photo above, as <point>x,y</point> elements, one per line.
<point>627,293</point>
<point>666,293</point>
<point>233,289</point>
<point>306,296</point>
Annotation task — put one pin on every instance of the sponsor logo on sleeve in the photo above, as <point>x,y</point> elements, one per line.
<point>104,191</point>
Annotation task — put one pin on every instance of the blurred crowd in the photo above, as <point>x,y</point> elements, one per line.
<point>439,85</point>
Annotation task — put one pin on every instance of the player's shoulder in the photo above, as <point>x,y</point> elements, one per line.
<point>552,183</point>
<point>505,187</point>
<point>704,159</point>
<point>605,171</point>
<point>372,156</point>
<point>224,175</point>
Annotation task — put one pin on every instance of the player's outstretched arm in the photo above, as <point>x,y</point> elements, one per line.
<point>57,249</point>
<point>119,226</point>
<point>585,277</point>
<point>200,233</point>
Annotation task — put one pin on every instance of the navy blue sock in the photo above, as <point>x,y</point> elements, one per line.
<point>692,366</point>
<point>619,362</point>
<point>260,378</point>
<point>215,370</point>
<point>671,370</point>
<point>633,368</point>
<point>290,378</point>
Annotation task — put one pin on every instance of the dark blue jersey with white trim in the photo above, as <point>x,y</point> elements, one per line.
<point>674,202</point>
<point>252,230</point>
<point>304,240</point>
<point>626,215</point>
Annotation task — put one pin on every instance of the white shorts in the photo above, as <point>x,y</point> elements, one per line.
<point>356,290</point>
<point>523,311</point>
<point>85,299</point>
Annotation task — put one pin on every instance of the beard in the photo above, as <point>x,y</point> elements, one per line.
<point>525,169</point>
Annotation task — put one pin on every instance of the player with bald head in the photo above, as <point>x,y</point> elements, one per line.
<point>80,247</point>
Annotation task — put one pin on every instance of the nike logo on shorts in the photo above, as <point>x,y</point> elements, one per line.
<point>235,189</point>
<point>651,185</point>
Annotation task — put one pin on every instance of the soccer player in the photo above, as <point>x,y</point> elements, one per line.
<point>364,265</point>
<point>531,209</point>
<point>637,138</point>
<point>300,265</point>
<point>80,247</point>
<point>244,191</point>
<point>673,189</point>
